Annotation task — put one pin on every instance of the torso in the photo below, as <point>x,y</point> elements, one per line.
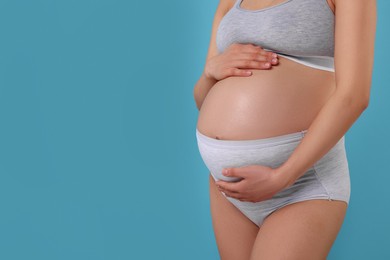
<point>277,101</point>
<point>281,100</point>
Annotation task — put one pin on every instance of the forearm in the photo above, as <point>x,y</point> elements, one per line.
<point>330,124</point>
<point>201,89</point>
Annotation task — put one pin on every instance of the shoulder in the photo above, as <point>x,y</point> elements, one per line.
<point>226,4</point>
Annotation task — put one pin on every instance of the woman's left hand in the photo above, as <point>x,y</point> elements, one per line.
<point>259,183</point>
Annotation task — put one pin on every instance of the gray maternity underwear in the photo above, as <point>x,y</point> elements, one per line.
<point>327,179</point>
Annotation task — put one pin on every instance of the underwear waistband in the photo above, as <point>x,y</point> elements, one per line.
<point>251,143</point>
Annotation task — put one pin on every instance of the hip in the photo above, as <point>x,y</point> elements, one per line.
<point>328,177</point>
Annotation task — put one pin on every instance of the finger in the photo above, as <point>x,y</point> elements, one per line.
<point>233,194</point>
<point>221,184</point>
<point>245,63</point>
<point>271,54</point>
<point>258,52</point>
<point>271,58</point>
<point>230,186</point>
<point>256,56</point>
<point>243,47</point>
<point>242,172</point>
<point>238,72</point>
<point>253,54</point>
<point>268,55</point>
<point>263,54</point>
<point>248,48</point>
<point>224,190</point>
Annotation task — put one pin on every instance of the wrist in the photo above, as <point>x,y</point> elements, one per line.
<point>284,176</point>
<point>208,77</point>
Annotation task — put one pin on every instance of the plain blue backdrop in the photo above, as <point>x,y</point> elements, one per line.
<point>98,154</point>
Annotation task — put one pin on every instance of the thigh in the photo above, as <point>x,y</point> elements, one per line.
<point>234,232</point>
<point>301,230</point>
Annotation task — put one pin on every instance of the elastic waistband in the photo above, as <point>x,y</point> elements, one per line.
<point>251,143</point>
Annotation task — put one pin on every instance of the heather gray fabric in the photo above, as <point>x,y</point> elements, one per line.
<point>300,30</point>
<point>327,179</point>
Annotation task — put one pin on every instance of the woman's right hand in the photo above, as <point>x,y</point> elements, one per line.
<point>237,59</point>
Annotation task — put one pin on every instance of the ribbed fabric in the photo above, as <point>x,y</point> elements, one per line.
<point>327,179</point>
<point>300,30</point>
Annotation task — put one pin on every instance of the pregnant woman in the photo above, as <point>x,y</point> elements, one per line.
<point>273,136</point>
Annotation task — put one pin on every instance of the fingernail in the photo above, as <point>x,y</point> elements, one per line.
<point>274,60</point>
<point>267,64</point>
<point>274,55</point>
<point>224,171</point>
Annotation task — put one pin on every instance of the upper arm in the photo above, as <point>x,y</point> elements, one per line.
<point>355,26</point>
<point>223,7</point>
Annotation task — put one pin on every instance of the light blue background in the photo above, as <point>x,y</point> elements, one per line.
<point>98,155</point>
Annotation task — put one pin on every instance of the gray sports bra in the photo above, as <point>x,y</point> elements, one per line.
<point>300,30</point>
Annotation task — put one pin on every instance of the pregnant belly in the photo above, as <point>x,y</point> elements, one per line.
<point>281,100</point>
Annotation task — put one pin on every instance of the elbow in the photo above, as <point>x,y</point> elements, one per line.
<point>355,95</point>
<point>197,105</point>
<point>196,99</point>
<point>365,103</point>
<point>356,102</point>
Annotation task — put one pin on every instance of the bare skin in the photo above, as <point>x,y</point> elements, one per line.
<point>302,230</point>
<point>281,100</point>
<point>284,99</point>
